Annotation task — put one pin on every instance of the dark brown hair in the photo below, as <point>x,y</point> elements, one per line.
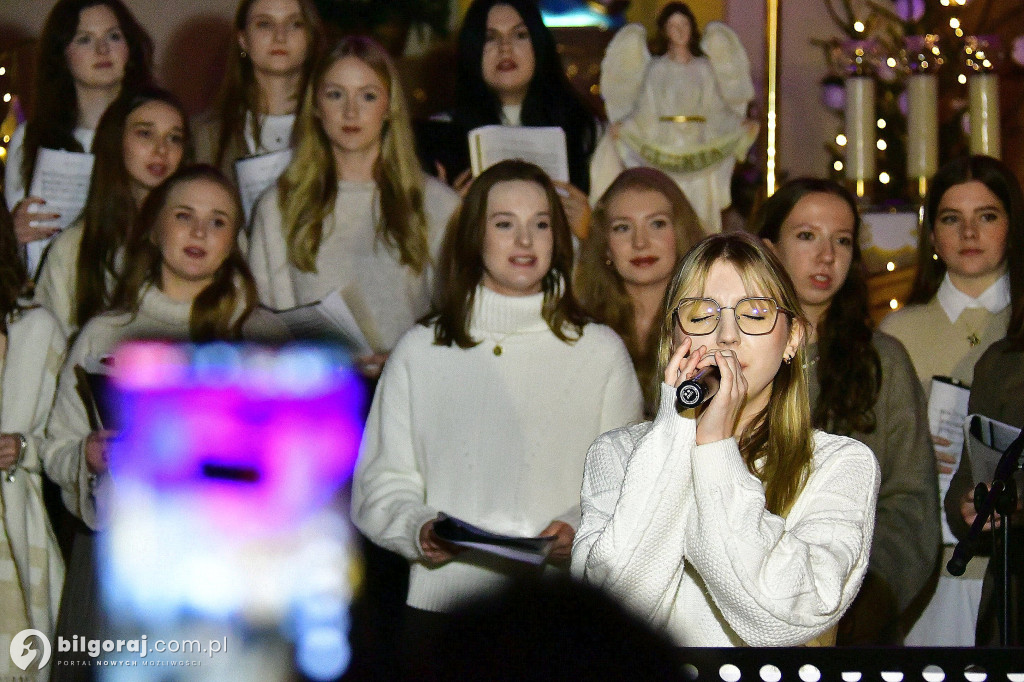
<point>661,40</point>
<point>239,93</point>
<point>849,369</point>
<point>1001,181</point>
<point>550,98</point>
<point>220,309</point>
<point>461,266</point>
<point>55,111</point>
<point>13,276</point>
<point>110,208</point>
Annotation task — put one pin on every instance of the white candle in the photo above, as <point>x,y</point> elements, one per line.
<point>984,109</point>
<point>860,128</point>
<point>922,126</point>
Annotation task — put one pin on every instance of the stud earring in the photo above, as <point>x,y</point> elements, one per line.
<point>607,261</point>
<point>244,54</point>
<point>787,359</point>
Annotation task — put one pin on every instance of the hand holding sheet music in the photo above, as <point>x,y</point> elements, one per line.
<point>543,146</point>
<point>947,408</point>
<point>62,179</point>
<point>533,550</point>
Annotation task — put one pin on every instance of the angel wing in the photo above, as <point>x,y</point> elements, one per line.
<point>625,61</point>
<point>730,63</point>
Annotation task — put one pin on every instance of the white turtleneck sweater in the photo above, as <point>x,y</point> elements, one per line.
<point>351,258</point>
<point>497,440</point>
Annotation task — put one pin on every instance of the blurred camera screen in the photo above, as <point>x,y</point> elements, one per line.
<point>226,495</point>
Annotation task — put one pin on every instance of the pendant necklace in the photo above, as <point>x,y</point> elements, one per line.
<point>498,348</point>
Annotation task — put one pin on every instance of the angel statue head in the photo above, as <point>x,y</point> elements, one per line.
<point>677,28</point>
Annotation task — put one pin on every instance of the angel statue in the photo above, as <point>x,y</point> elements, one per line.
<point>686,117</point>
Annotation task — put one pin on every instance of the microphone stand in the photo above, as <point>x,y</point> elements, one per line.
<point>999,498</point>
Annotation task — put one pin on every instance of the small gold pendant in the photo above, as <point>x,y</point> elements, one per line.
<point>973,339</point>
<point>498,350</point>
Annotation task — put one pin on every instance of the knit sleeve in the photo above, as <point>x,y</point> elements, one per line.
<point>782,581</point>
<point>55,284</point>
<point>66,431</point>
<point>907,531</point>
<point>35,350</point>
<point>268,255</point>
<point>388,490</point>
<point>636,499</point>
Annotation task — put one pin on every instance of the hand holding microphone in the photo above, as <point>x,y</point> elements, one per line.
<point>701,388</point>
<point>698,385</point>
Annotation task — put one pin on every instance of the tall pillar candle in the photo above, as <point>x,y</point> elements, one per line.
<point>922,125</point>
<point>984,109</point>
<point>860,128</point>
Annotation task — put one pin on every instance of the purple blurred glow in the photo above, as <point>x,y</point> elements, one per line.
<point>910,10</point>
<point>250,456</point>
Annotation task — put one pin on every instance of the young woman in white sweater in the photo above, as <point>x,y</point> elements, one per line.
<point>353,212</point>
<point>31,349</point>
<point>486,409</point>
<point>185,278</point>
<point>140,141</point>
<point>88,51</point>
<point>736,524</point>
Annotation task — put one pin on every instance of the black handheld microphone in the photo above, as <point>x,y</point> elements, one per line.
<point>701,388</point>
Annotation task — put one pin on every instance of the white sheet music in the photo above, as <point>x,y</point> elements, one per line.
<point>329,318</point>
<point>257,173</point>
<point>947,409</point>
<point>996,438</point>
<point>544,146</point>
<point>62,179</point>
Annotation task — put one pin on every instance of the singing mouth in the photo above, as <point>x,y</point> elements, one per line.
<point>157,169</point>
<point>507,65</point>
<point>195,252</point>
<point>523,261</point>
<point>821,281</point>
<point>644,261</point>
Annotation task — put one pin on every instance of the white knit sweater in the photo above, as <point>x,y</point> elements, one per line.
<point>680,533</point>
<point>351,257</point>
<point>496,440</point>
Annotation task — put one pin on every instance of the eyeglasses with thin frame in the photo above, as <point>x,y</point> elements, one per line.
<point>755,315</point>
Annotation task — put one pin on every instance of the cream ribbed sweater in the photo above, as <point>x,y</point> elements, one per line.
<point>350,256</point>
<point>496,440</point>
<point>680,533</point>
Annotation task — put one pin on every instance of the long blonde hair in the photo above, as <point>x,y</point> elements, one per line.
<point>782,432</point>
<point>308,187</point>
<point>599,286</point>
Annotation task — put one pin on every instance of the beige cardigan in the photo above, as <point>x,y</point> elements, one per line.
<point>35,349</point>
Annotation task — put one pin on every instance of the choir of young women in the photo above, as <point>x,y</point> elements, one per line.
<point>797,503</point>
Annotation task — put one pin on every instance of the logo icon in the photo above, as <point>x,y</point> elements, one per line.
<point>23,653</point>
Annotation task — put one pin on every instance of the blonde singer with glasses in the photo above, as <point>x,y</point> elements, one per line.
<point>736,523</point>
